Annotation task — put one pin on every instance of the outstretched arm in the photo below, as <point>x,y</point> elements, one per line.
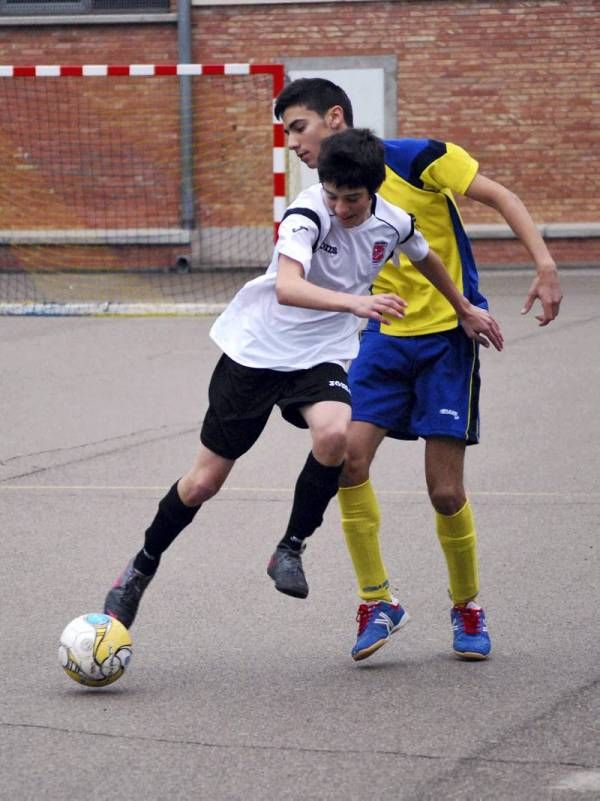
<point>294,290</point>
<point>478,324</point>
<point>546,285</point>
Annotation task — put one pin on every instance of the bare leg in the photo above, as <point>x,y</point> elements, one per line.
<point>205,478</point>
<point>328,423</point>
<point>363,441</point>
<point>444,470</point>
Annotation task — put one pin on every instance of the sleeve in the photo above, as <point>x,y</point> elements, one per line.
<point>411,241</point>
<point>298,234</point>
<point>416,247</point>
<point>454,170</point>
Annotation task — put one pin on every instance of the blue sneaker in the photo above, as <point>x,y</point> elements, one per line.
<point>471,638</point>
<point>377,621</point>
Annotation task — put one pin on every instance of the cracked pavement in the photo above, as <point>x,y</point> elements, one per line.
<point>238,692</point>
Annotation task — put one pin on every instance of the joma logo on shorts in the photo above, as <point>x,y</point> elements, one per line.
<point>339,384</point>
<point>451,412</point>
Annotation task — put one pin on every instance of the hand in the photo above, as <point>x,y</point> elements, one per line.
<point>373,307</point>
<point>478,324</point>
<point>546,288</point>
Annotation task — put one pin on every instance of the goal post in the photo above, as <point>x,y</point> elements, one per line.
<point>100,211</point>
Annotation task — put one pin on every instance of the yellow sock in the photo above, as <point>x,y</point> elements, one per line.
<point>360,521</point>
<point>458,539</point>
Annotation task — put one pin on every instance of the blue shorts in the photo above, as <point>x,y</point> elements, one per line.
<point>423,386</point>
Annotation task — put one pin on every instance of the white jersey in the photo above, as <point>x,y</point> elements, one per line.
<point>257,331</point>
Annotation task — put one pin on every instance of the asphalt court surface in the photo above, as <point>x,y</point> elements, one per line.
<point>238,692</point>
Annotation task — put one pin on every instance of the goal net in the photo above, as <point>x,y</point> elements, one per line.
<point>136,189</point>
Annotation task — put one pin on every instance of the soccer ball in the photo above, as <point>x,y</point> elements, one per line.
<point>95,650</point>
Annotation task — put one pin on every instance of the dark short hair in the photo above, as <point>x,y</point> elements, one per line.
<point>316,94</point>
<point>352,158</point>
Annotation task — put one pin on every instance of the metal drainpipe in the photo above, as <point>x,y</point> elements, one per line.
<point>188,217</point>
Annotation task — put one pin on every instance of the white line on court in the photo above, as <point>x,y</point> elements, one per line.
<point>283,490</point>
<point>580,781</point>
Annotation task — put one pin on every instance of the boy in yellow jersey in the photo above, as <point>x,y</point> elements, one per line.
<point>419,375</point>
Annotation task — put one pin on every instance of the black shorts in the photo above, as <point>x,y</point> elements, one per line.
<point>242,398</point>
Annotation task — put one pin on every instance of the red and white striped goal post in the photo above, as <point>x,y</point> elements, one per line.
<point>276,71</point>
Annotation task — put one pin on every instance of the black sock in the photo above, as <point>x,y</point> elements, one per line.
<point>146,563</point>
<point>170,520</point>
<point>315,487</point>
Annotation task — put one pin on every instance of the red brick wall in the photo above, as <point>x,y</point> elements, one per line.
<point>105,152</point>
<point>514,82</point>
<point>88,44</point>
<point>566,252</point>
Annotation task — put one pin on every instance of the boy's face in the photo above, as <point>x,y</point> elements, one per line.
<point>306,129</point>
<point>350,205</point>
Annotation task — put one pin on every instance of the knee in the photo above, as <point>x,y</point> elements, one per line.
<point>195,489</point>
<point>356,469</point>
<point>447,499</point>
<point>329,445</point>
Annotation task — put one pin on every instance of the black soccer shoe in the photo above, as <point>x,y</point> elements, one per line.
<point>285,568</point>
<point>125,595</point>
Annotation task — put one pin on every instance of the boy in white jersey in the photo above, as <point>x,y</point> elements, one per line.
<point>286,338</point>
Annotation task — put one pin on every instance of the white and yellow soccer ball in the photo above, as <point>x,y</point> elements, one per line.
<point>95,650</point>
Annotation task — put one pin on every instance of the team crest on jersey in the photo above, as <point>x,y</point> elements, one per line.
<point>378,251</point>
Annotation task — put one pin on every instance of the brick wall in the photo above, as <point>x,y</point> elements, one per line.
<point>104,152</point>
<point>514,82</point>
<point>83,44</point>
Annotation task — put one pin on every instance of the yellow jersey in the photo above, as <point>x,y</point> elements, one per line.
<point>421,177</point>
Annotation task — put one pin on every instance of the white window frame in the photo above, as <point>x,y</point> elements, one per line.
<point>49,10</point>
